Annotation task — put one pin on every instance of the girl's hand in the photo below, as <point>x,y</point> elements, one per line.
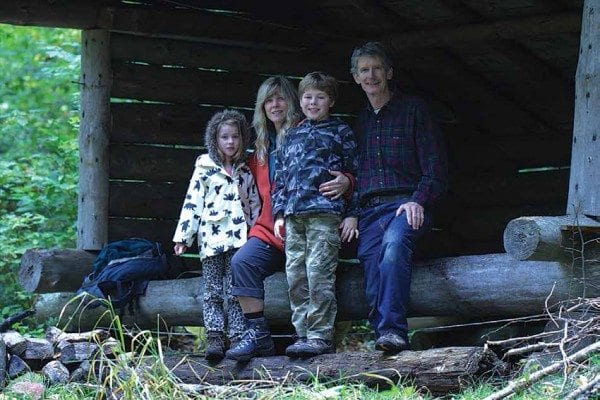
<point>336,187</point>
<point>279,228</point>
<point>179,249</point>
<point>348,229</point>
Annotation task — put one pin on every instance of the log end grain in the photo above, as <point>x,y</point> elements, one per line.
<point>31,270</point>
<point>521,238</point>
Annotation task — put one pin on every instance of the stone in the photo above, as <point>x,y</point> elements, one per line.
<point>80,374</point>
<point>56,372</point>
<point>16,366</point>
<point>38,349</point>
<point>15,342</point>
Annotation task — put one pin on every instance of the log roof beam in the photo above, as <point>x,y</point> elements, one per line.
<point>203,25</point>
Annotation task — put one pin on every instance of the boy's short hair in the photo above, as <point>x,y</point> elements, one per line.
<point>320,81</point>
<point>370,49</point>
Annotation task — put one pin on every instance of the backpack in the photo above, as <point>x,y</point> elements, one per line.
<point>121,271</point>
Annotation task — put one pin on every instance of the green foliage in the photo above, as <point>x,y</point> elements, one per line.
<point>39,97</point>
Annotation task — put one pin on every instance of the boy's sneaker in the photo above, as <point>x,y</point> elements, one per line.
<point>293,350</point>
<point>256,341</point>
<point>215,349</point>
<point>315,347</point>
<point>391,342</point>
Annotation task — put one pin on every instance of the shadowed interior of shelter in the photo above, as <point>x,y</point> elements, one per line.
<point>499,75</point>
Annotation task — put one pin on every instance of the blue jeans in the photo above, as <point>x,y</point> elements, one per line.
<point>385,249</point>
<point>251,265</point>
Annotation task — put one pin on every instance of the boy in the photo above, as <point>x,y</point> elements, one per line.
<point>319,144</point>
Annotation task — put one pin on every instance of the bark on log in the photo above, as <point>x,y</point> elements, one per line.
<point>439,370</point>
<point>54,270</point>
<point>493,285</point>
<point>545,238</point>
<point>584,186</point>
<point>96,82</point>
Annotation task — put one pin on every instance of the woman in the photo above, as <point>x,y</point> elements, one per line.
<point>276,110</point>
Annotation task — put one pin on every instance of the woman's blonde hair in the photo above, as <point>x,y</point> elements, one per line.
<point>262,125</point>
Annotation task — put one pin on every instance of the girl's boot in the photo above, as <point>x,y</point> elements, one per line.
<point>215,349</point>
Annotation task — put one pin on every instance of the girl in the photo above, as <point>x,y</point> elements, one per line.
<point>220,204</point>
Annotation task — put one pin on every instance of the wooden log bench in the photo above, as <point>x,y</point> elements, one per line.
<point>478,286</point>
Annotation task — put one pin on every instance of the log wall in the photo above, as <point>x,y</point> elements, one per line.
<point>165,89</point>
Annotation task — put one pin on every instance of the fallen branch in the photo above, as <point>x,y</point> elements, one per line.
<point>520,339</point>
<point>522,383</point>
<point>10,321</point>
<point>591,386</point>
<point>529,349</point>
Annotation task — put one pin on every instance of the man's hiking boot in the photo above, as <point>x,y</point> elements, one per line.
<point>293,349</point>
<point>314,347</point>
<point>391,342</point>
<point>256,341</point>
<point>215,348</point>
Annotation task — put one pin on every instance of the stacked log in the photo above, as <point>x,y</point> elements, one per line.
<point>518,283</point>
<point>551,238</point>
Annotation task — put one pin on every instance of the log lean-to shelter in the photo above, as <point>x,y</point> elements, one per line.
<point>515,86</point>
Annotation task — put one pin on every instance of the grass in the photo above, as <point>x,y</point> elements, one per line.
<point>136,370</point>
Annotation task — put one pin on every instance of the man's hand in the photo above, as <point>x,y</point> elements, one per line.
<point>415,214</point>
<point>279,228</point>
<point>179,249</point>
<point>348,229</point>
<point>335,188</point>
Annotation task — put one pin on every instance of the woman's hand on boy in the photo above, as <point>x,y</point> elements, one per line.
<point>336,187</point>
<point>349,229</point>
<point>179,249</point>
<point>279,228</point>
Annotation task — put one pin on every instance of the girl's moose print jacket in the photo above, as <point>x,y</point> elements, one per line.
<point>218,208</point>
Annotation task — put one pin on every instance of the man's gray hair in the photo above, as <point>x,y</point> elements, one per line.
<point>370,49</point>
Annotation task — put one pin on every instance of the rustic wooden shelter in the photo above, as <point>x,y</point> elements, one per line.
<point>514,84</point>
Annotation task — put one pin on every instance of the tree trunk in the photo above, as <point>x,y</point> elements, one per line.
<point>3,359</point>
<point>94,132</point>
<point>584,185</point>
<point>439,370</point>
<point>547,238</point>
<point>493,285</point>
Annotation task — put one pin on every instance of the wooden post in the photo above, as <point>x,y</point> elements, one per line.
<point>584,185</point>
<point>96,80</point>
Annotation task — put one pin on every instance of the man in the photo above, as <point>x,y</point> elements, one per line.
<point>402,172</point>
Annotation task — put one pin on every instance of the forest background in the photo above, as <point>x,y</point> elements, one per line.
<point>39,122</point>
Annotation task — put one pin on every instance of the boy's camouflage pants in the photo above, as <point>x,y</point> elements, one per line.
<point>311,249</point>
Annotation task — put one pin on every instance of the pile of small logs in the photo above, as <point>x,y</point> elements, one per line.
<point>60,357</point>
